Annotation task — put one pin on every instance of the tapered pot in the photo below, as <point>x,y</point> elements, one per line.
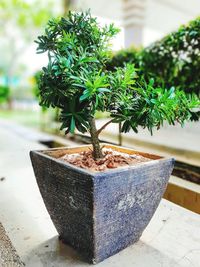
<point>100,213</point>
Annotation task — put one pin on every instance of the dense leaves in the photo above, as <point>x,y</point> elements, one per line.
<point>78,82</point>
<point>74,79</point>
<point>146,105</point>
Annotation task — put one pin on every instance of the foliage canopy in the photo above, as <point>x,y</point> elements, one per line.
<point>77,81</point>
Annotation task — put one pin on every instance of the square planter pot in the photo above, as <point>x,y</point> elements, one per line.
<point>100,213</point>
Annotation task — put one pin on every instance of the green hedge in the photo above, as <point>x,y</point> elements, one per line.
<point>172,61</point>
<point>123,56</point>
<point>175,59</point>
<point>4,93</point>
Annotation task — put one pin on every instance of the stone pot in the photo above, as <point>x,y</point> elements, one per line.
<point>100,213</point>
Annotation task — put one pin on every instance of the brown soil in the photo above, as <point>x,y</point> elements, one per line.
<point>112,159</point>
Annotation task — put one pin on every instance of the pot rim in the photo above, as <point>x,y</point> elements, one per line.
<point>155,159</point>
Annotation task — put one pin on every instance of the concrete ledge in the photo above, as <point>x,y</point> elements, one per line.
<point>183,193</point>
<point>8,254</point>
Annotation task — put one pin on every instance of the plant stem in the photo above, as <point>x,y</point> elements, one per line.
<point>97,153</point>
<point>120,134</point>
<point>104,126</point>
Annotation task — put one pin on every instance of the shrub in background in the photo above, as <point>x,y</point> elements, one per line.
<point>123,56</point>
<point>172,61</point>
<point>175,59</point>
<point>4,93</point>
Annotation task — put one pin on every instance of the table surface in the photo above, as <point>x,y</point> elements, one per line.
<point>172,239</point>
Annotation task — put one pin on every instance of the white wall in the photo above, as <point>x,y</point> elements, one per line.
<point>164,16</point>
<point>161,16</point>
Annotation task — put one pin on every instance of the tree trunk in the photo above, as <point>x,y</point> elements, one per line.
<point>97,153</point>
<point>120,135</point>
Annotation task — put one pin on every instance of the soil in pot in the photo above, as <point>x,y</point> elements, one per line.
<point>112,159</point>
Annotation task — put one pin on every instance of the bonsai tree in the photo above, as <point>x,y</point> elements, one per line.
<point>77,82</point>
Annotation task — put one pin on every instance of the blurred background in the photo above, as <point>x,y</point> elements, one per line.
<point>143,24</point>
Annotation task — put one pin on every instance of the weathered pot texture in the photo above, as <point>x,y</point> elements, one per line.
<point>100,213</point>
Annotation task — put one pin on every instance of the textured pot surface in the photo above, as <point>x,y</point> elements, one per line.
<point>100,213</point>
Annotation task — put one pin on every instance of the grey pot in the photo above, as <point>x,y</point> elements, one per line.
<point>100,213</point>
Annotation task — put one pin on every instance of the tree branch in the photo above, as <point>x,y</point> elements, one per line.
<point>104,126</point>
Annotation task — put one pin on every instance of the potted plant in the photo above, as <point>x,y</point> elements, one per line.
<point>100,198</point>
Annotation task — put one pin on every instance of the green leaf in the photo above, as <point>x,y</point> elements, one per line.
<point>151,82</point>
<point>89,59</point>
<point>103,90</point>
<point>84,96</point>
